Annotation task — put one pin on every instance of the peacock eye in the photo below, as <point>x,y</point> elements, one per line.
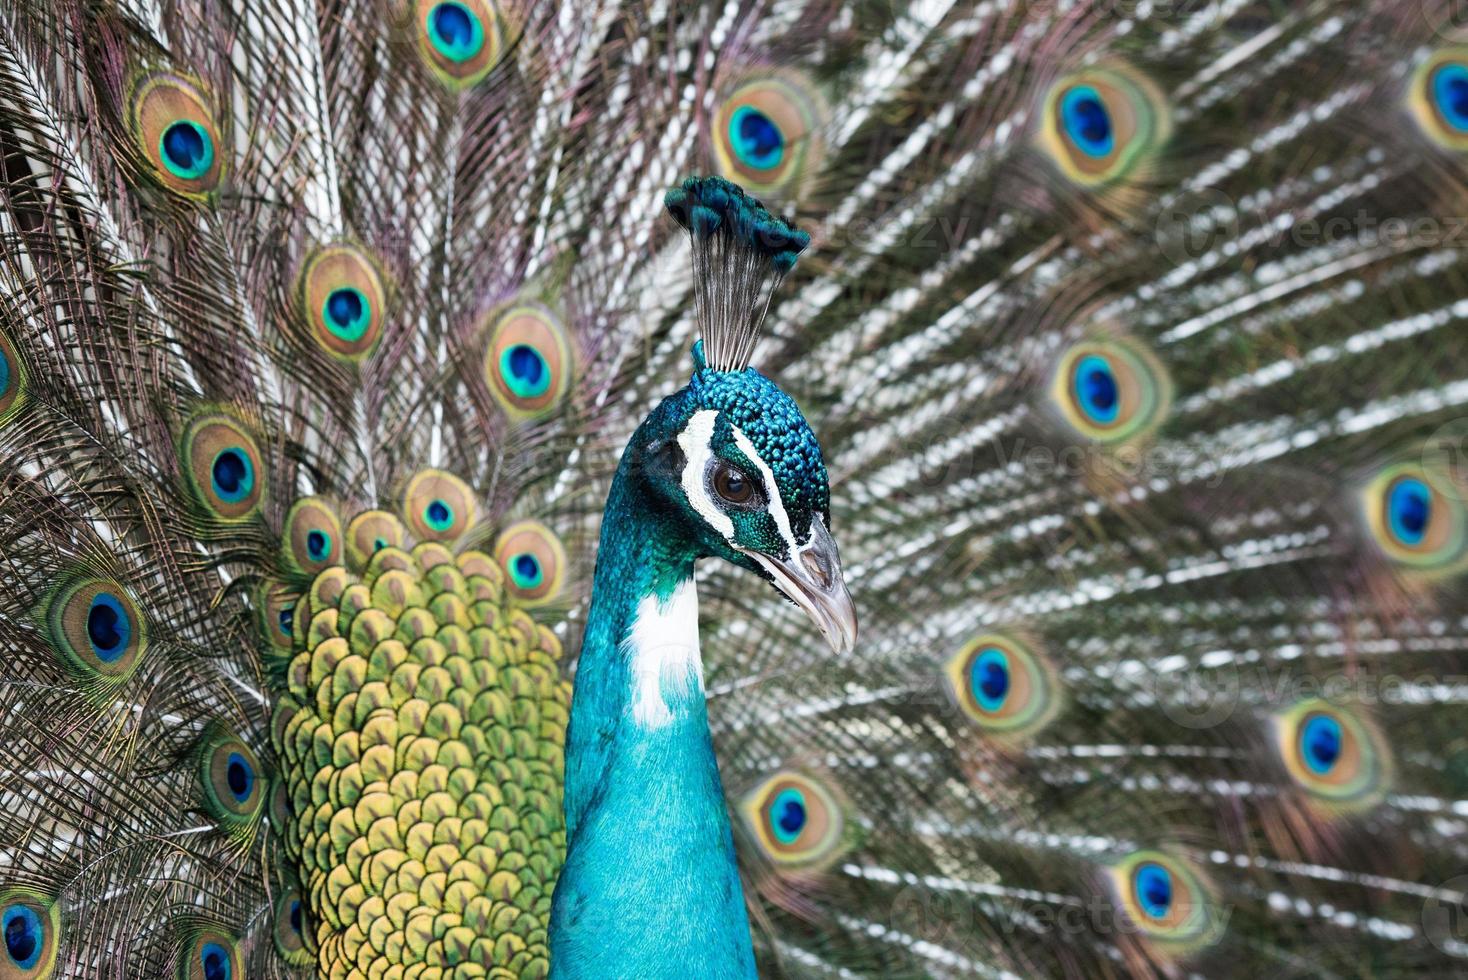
<point>96,626</point>
<point>230,776</point>
<point>796,820</point>
<point>1334,754</point>
<point>1003,686</point>
<point>1168,900</point>
<point>767,132</point>
<point>1416,516</point>
<point>30,924</point>
<point>1103,124</point>
<point>733,486</point>
<point>342,301</point>
<point>533,561</point>
<point>209,953</point>
<point>1438,97</point>
<point>1111,391</point>
<point>312,538</point>
<point>290,929</point>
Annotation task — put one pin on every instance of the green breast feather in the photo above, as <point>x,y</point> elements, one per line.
<point>421,747</point>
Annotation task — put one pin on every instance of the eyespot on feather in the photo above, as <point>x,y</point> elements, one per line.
<point>1437,97</point>
<point>1002,685</point>
<point>527,360</point>
<point>276,608</point>
<point>797,821</point>
<point>208,953</point>
<point>1168,899</point>
<point>31,926</point>
<point>1098,126</point>
<point>175,129</point>
<point>767,132</point>
<point>12,380</point>
<point>1334,754</point>
<point>370,532</point>
<point>1418,518</point>
<point>233,783</point>
<point>312,538</point>
<point>96,627</point>
<point>438,506</point>
<point>460,40</point>
<point>223,467</point>
<point>342,301</point>
<point>289,929</point>
<point>533,561</point>
<point>1111,391</point>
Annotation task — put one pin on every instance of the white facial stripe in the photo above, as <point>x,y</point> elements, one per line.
<point>695,441</point>
<point>777,506</point>
<point>664,656</point>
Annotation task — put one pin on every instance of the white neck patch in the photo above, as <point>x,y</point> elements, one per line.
<point>662,649</point>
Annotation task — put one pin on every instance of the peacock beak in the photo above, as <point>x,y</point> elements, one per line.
<point>811,577</point>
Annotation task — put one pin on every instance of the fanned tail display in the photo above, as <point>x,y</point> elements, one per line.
<point>1133,335</point>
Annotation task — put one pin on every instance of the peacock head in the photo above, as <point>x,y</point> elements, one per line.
<point>730,458</point>
<point>736,467</point>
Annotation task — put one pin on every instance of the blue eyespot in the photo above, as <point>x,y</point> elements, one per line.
<point>379,543</point>
<point>1086,121</point>
<point>439,515</point>
<point>223,466</point>
<point>287,620</point>
<point>187,149</point>
<point>756,139</point>
<point>4,374</point>
<point>455,32</point>
<point>240,776</point>
<point>215,960</point>
<point>348,314</point>
<point>233,475</point>
<point>296,915</point>
<point>1450,93</point>
<point>1409,510</point>
<point>25,936</point>
<point>789,815</point>
<point>318,545</point>
<point>1320,743</point>
<point>1096,389</point>
<point>533,562</point>
<point>526,571</point>
<point>108,627</point>
<point>1154,889</point>
<point>525,371</point>
<point>989,679</point>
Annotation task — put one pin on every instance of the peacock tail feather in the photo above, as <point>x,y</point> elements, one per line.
<point>1133,335</point>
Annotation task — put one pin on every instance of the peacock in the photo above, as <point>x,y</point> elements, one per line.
<point>407,407</point>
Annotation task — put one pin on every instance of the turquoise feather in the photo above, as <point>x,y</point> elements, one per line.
<point>626,787</point>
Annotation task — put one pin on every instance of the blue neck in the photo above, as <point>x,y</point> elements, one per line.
<point>650,886</point>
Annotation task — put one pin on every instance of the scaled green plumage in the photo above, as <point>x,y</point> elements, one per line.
<point>421,747</point>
